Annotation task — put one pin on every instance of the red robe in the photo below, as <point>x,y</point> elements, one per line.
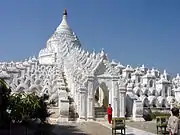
<point>109,111</point>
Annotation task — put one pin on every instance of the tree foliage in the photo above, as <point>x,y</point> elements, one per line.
<point>27,106</point>
<point>4,103</point>
<point>21,106</point>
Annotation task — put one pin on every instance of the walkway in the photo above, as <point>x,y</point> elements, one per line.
<point>129,130</point>
<point>80,128</point>
<point>74,128</point>
<point>92,128</point>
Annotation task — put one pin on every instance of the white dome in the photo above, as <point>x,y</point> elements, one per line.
<point>63,36</point>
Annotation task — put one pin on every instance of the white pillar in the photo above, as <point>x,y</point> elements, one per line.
<point>83,103</point>
<point>73,89</point>
<point>177,94</point>
<point>76,99</point>
<point>122,101</point>
<point>90,102</point>
<point>137,111</point>
<point>115,96</point>
<point>78,102</point>
<point>129,99</point>
<point>110,96</point>
<point>63,105</point>
<point>101,96</point>
<point>168,91</point>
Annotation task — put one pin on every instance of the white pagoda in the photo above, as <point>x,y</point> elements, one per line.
<point>88,81</point>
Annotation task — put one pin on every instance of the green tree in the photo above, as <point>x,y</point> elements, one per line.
<point>4,102</point>
<point>28,106</point>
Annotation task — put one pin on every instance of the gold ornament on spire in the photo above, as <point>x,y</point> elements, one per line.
<point>65,12</point>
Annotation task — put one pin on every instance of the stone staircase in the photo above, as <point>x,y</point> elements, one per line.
<point>100,113</point>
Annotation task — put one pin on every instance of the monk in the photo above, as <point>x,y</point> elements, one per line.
<point>109,111</point>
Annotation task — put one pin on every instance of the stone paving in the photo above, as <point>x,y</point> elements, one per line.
<point>149,126</point>
<point>129,130</point>
<point>78,128</point>
<point>93,128</point>
<point>81,128</point>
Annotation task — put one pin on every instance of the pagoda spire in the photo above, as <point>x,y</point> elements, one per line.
<point>65,12</point>
<point>64,23</point>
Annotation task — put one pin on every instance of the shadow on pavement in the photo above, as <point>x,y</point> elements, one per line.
<point>67,130</point>
<point>46,129</point>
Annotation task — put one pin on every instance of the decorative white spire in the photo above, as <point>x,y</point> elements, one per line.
<point>113,63</point>
<point>177,76</point>
<point>63,24</point>
<point>165,73</point>
<point>102,54</point>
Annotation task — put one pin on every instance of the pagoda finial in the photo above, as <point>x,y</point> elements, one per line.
<point>65,12</point>
<point>63,24</point>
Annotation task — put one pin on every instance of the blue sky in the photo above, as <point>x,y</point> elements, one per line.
<point>133,32</point>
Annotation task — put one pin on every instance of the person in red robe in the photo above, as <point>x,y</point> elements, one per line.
<point>109,111</point>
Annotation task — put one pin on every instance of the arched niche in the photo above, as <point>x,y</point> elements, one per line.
<point>151,83</point>
<point>137,91</point>
<point>152,92</point>
<point>144,100</point>
<point>129,76</point>
<point>159,92</point>
<point>152,101</point>
<point>28,82</point>
<point>139,79</point>
<point>173,93</point>
<point>162,102</point>
<point>46,90</point>
<point>19,81</point>
<point>166,91</point>
<point>101,95</point>
<point>145,91</point>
